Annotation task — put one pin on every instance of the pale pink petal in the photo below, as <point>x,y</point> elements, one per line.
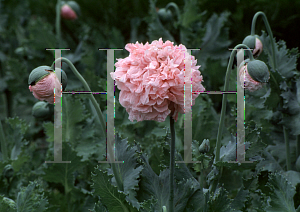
<point>151,80</point>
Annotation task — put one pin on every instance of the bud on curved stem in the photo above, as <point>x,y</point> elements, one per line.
<point>164,14</point>
<point>267,25</point>
<point>274,66</point>
<point>253,74</point>
<point>254,43</point>
<point>224,100</point>
<point>86,87</point>
<point>70,10</point>
<point>42,82</point>
<point>172,4</point>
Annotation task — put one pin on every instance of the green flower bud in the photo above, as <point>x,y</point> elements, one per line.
<point>205,146</point>
<point>42,71</point>
<point>258,71</point>
<point>253,42</point>
<point>8,171</point>
<point>38,73</point>
<point>41,110</point>
<point>253,74</point>
<point>164,15</point>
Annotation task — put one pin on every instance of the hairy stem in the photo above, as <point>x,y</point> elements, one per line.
<point>57,24</point>
<point>287,149</point>
<point>86,87</point>
<point>98,110</point>
<point>172,165</point>
<point>172,4</point>
<point>264,17</point>
<point>224,100</point>
<point>297,146</point>
<point>3,144</point>
<point>274,66</point>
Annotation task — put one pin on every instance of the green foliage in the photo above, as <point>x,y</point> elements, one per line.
<point>31,199</point>
<point>7,204</point>
<point>281,194</point>
<point>109,194</point>
<point>64,172</point>
<point>141,183</point>
<point>128,171</point>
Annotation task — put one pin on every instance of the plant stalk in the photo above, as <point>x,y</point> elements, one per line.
<point>172,165</point>
<point>264,17</point>
<point>3,144</point>
<point>274,66</point>
<point>172,4</point>
<point>297,146</point>
<point>57,24</point>
<point>98,110</point>
<point>287,149</point>
<point>224,100</point>
<point>86,87</point>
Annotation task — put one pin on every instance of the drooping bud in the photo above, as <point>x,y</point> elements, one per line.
<point>42,110</point>
<point>253,42</point>
<point>258,71</point>
<point>70,10</point>
<point>164,15</point>
<point>42,81</point>
<point>253,74</point>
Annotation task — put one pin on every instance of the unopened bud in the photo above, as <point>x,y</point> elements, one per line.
<point>42,81</point>
<point>205,146</point>
<point>253,74</point>
<point>253,42</point>
<point>164,15</point>
<point>70,10</point>
<point>41,110</point>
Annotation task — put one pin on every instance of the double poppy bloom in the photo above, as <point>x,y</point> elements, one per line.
<point>151,80</point>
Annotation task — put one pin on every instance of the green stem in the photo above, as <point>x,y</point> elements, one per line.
<point>287,149</point>
<point>86,87</point>
<point>57,24</point>
<point>269,32</point>
<point>172,165</point>
<point>98,110</point>
<point>297,146</point>
<point>172,4</point>
<point>274,66</point>
<point>224,100</point>
<point>202,174</point>
<point>117,177</point>
<point>3,144</point>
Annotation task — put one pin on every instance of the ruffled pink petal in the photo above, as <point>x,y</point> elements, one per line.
<point>247,82</point>
<point>44,89</point>
<point>151,80</point>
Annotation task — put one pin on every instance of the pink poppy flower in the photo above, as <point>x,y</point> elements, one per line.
<point>44,88</point>
<point>151,80</point>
